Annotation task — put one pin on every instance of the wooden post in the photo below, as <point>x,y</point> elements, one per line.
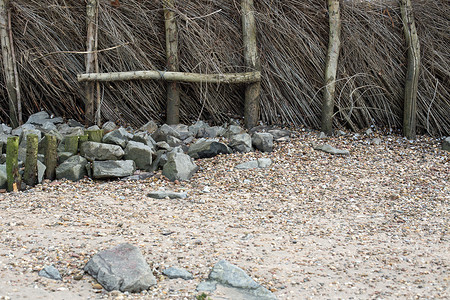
<point>50,156</point>
<point>71,144</point>
<point>173,92</point>
<point>8,63</point>
<point>91,61</point>
<point>94,135</point>
<point>413,71</point>
<point>31,160</point>
<point>12,167</point>
<point>334,45</point>
<point>252,61</point>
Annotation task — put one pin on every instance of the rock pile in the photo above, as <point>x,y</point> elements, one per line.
<point>112,152</point>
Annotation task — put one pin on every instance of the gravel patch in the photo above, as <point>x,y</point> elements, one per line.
<point>372,224</point>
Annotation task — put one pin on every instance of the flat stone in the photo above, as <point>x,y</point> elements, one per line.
<point>330,149</point>
<point>50,272</point>
<point>253,164</point>
<point>113,168</point>
<point>164,194</point>
<point>174,273</point>
<point>121,268</point>
<point>207,286</point>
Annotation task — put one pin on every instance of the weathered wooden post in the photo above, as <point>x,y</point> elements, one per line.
<point>173,92</point>
<point>10,71</point>
<point>252,61</point>
<point>50,156</point>
<point>334,45</point>
<point>413,71</point>
<point>12,167</point>
<point>31,160</point>
<point>91,58</point>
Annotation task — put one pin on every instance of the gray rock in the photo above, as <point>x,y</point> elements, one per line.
<point>41,117</point>
<point>232,130</point>
<point>145,138</point>
<point>179,166</point>
<point>207,148</point>
<point>232,276</point>
<point>340,133</point>
<point>63,156</point>
<point>74,168</point>
<point>5,129</point>
<point>117,137</point>
<point>74,123</point>
<point>113,169</point>
<point>215,131</point>
<point>376,141</point>
<point>18,131</point>
<point>48,126</point>
<point>173,141</point>
<point>3,178</point>
<point>150,127</point>
<point>183,131</point>
<point>50,272</point>
<point>65,130</point>
<point>263,141</point>
<point>109,126</point>
<point>174,273</point>
<point>160,160</point>
<point>198,129</point>
<point>322,135</point>
<point>329,149</point>
<point>369,131</point>
<point>121,268</point>
<point>163,132</point>
<point>41,171</point>
<point>93,127</point>
<point>140,153</point>
<point>164,194</point>
<point>207,286</point>
<point>241,142</point>
<point>140,176</point>
<point>164,146</point>
<point>253,164</point>
<point>280,134</point>
<point>98,151</point>
<point>446,144</point>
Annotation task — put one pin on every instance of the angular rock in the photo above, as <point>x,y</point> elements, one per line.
<point>41,117</point>
<point>183,131</point>
<point>3,177</point>
<point>198,129</point>
<point>173,141</point>
<point>145,138</point>
<point>174,273</point>
<point>207,148</point>
<point>121,268</point>
<point>446,144</point>
<point>161,134</point>
<point>50,272</point>
<point>150,127</point>
<point>241,142</point>
<point>113,169</point>
<point>74,168</point>
<point>179,166</point>
<point>215,131</point>
<point>140,176</point>
<point>74,123</point>
<point>376,141</point>
<point>263,141</point>
<point>141,154</point>
<point>117,137</point>
<point>232,130</point>
<point>18,131</point>
<point>164,146</point>
<point>232,276</point>
<point>98,151</point>
<point>164,194</point>
<point>253,164</point>
<point>48,126</point>
<point>207,286</point>
<point>330,149</point>
<point>5,129</point>
<point>322,135</point>
<point>160,160</point>
<point>279,133</point>
<point>109,126</point>
<point>63,156</point>
<point>41,171</point>
<point>65,130</point>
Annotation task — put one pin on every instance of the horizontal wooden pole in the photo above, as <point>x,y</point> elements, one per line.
<point>173,76</point>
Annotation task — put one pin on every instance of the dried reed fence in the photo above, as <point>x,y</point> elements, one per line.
<point>50,37</point>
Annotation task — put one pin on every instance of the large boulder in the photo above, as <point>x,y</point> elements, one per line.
<point>204,148</point>
<point>113,169</point>
<point>41,117</point>
<point>121,268</point>
<point>241,142</point>
<point>179,166</point>
<point>446,144</point>
<point>233,130</point>
<point>263,141</point>
<point>163,132</point>
<point>183,131</point>
<point>98,151</point>
<point>73,168</point>
<point>117,137</point>
<point>140,153</point>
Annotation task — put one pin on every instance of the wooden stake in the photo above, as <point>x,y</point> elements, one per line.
<point>71,144</point>
<point>50,156</point>
<point>334,45</point>
<point>173,92</point>
<point>252,61</point>
<point>91,24</point>
<point>30,174</point>
<point>413,71</point>
<point>94,135</point>
<point>12,167</point>
<point>8,64</point>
